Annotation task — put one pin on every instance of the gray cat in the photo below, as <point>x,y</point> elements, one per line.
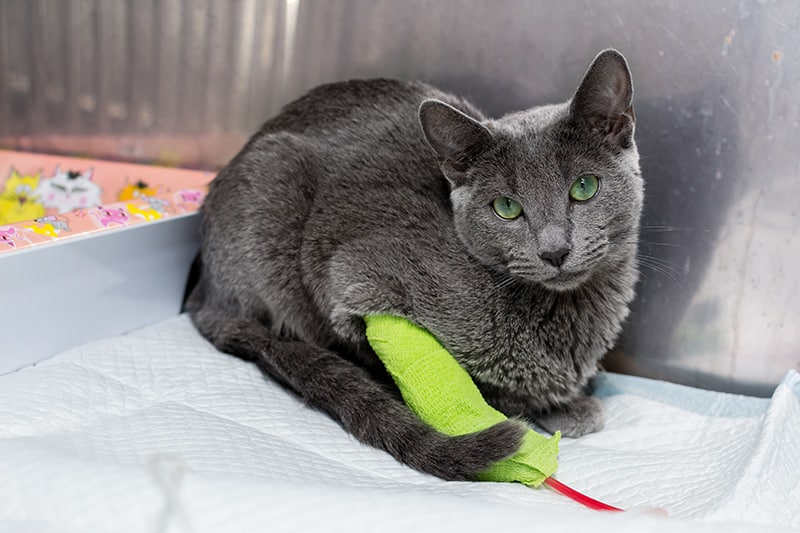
<point>513,241</point>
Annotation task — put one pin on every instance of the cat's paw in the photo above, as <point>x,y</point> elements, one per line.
<point>580,417</point>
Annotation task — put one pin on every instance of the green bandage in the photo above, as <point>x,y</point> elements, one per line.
<point>444,396</point>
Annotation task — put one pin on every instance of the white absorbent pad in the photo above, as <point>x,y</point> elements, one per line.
<point>157,431</point>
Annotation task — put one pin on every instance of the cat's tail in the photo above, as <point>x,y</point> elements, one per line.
<point>192,282</point>
<point>369,410</point>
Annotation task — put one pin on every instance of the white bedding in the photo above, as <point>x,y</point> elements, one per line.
<point>157,431</point>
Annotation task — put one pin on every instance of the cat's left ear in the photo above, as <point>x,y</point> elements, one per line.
<point>604,101</point>
<point>456,138</point>
<point>89,173</point>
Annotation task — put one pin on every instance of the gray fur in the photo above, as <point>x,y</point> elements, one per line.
<point>375,197</point>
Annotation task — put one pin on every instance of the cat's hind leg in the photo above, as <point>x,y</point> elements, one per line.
<point>367,409</point>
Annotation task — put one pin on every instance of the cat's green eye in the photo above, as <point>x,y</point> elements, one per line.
<point>584,188</point>
<point>506,207</point>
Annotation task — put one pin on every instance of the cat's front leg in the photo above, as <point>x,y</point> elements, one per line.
<point>581,416</point>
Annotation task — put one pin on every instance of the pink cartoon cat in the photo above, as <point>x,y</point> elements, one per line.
<point>7,236</point>
<point>106,216</point>
<point>188,198</point>
<point>193,196</point>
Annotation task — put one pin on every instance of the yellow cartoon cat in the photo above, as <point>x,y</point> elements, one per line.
<point>132,191</point>
<point>17,200</point>
<point>155,208</point>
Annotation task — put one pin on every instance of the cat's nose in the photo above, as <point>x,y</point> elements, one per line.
<point>553,245</point>
<point>555,257</point>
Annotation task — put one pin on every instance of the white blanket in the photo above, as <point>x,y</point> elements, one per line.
<point>157,431</point>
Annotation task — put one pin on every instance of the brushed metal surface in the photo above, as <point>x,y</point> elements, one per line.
<point>717,102</point>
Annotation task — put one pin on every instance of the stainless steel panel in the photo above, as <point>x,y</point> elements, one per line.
<point>717,101</point>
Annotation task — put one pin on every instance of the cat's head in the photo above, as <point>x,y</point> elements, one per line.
<point>551,195</point>
<point>69,189</point>
<point>136,190</point>
<point>71,181</point>
<point>20,186</point>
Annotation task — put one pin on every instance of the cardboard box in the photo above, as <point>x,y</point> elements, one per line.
<point>107,250</point>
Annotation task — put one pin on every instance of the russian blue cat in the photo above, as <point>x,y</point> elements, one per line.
<point>512,240</point>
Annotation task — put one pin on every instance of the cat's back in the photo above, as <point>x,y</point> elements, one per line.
<point>340,147</point>
<point>349,109</point>
<point>352,130</point>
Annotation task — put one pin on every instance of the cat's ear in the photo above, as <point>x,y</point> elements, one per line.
<point>603,103</point>
<point>89,173</point>
<point>456,137</point>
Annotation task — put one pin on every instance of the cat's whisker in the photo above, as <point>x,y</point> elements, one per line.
<point>668,244</point>
<point>664,229</point>
<point>591,262</point>
<point>650,243</point>
<point>665,268</point>
<point>661,261</point>
<point>662,272</point>
<point>524,273</point>
<point>505,283</point>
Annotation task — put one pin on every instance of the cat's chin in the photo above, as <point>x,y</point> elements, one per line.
<point>565,281</point>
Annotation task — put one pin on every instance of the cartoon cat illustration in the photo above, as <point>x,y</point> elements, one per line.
<point>106,216</point>
<point>184,198</point>
<point>66,191</point>
<point>156,208</point>
<point>18,199</point>
<point>136,190</point>
<point>51,226</point>
<point>8,235</point>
